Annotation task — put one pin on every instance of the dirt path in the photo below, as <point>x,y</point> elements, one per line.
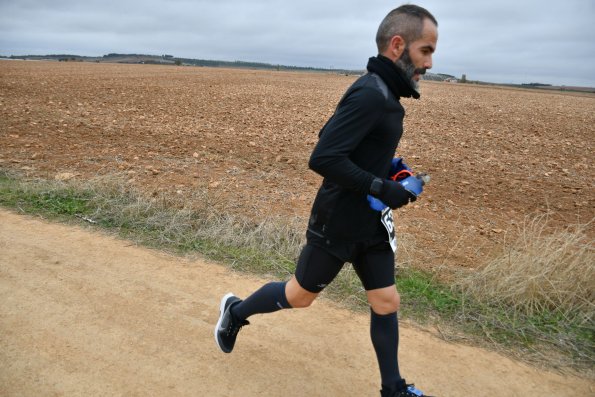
<point>84,314</point>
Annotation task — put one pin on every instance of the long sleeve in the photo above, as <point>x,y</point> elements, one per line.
<point>355,118</point>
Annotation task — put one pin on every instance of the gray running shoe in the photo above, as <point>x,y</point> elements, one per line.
<point>228,326</point>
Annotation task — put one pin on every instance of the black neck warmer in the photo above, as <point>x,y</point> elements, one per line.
<point>393,76</point>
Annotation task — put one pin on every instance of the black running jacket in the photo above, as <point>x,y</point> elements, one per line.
<point>356,145</point>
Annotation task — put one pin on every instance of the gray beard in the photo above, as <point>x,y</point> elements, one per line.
<point>406,65</point>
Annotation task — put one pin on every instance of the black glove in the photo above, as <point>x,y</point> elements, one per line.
<point>394,194</point>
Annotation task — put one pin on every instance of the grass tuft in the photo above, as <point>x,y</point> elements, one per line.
<point>541,272</point>
<point>540,292</point>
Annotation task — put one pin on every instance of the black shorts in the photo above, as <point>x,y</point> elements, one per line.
<point>320,262</point>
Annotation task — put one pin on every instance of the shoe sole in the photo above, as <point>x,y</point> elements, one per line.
<point>221,311</point>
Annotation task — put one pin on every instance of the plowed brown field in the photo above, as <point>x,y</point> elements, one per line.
<point>495,155</point>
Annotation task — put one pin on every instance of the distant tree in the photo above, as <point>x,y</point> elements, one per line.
<point>464,78</point>
<point>178,62</point>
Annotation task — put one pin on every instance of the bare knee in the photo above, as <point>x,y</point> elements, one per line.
<point>384,300</point>
<point>300,301</point>
<point>297,296</point>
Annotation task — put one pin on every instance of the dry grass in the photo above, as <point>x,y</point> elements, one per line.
<point>541,271</point>
<point>541,292</point>
<point>191,223</point>
<point>535,301</point>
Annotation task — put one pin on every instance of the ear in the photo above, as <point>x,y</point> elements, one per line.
<point>396,47</point>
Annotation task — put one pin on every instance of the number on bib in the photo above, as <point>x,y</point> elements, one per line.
<point>386,216</point>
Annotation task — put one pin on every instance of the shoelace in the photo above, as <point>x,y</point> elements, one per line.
<point>235,327</point>
<point>410,391</point>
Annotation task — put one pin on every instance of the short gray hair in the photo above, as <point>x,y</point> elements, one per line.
<point>405,21</point>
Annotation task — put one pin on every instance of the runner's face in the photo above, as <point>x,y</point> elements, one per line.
<point>417,56</point>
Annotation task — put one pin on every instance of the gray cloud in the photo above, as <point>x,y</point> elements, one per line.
<point>504,41</point>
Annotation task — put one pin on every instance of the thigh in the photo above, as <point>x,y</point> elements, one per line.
<point>316,268</point>
<point>375,266</point>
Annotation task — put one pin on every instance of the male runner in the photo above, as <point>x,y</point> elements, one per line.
<point>355,156</point>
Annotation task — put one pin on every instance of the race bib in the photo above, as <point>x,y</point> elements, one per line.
<point>386,216</point>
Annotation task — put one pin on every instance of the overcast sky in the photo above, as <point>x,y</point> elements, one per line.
<point>504,41</point>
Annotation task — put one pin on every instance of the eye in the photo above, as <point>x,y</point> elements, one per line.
<point>427,51</point>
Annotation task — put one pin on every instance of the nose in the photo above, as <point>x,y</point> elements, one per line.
<point>428,62</point>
